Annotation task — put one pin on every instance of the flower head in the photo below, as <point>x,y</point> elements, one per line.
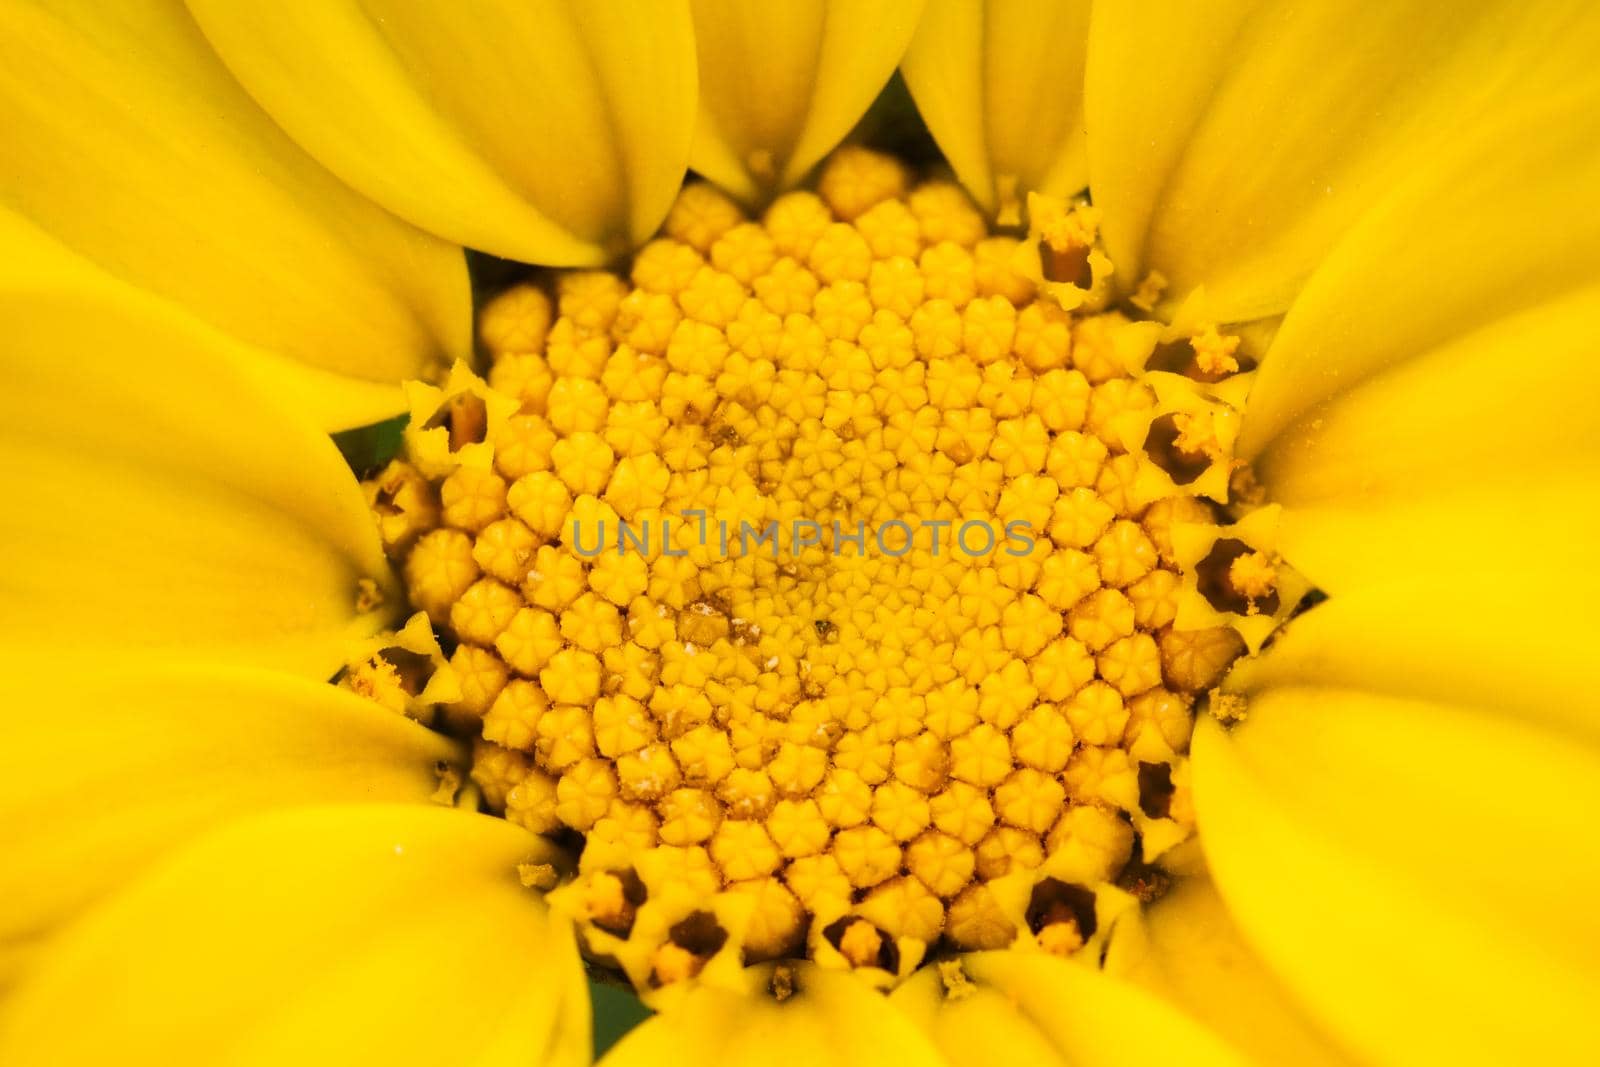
<point>1069,604</point>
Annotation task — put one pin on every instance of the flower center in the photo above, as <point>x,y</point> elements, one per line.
<point>825,575</point>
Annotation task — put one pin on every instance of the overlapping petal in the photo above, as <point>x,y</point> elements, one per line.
<point>159,499</point>
<point>128,141</point>
<point>1446,427</point>
<point>1029,1007</point>
<point>1479,459</point>
<point>783,82</point>
<point>1419,874</point>
<point>1520,643</point>
<point>1492,226</point>
<point>554,132</point>
<point>369,933</point>
<point>33,261</point>
<point>115,763</point>
<point>1187,949</point>
<point>1231,145</point>
<point>830,1017</point>
<point>1000,87</point>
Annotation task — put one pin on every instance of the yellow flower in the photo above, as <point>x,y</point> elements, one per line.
<point>1276,741</point>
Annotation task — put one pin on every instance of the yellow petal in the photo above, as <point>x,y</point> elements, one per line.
<point>1422,439</point>
<point>33,261</point>
<point>1147,82</point>
<point>1190,952</point>
<point>1492,226</point>
<point>356,934</point>
<point>1232,146</point>
<point>1481,456</point>
<point>832,1017</point>
<point>1421,876</point>
<point>550,133</point>
<point>782,82</point>
<point>1453,432</point>
<point>1029,1007</point>
<point>1520,643</point>
<point>129,142</point>
<point>159,501</point>
<point>1000,87</point>
<point>115,765</point>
